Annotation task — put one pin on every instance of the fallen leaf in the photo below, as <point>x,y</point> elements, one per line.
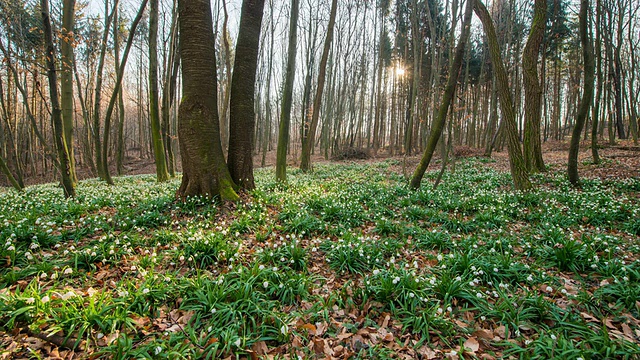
<point>472,345</point>
<point>483,334</point>
<point>310,328</point>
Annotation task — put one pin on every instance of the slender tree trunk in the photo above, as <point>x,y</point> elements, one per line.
<point>439,121</point>
<point>596,106</point>
<point>587,95</point>
<point>516,161</point>
<point>56,110</point>
<point>66,52</point>
<point>154,107</point>
<point>533,90</point>
<point>204,171</point>
<point>287,95</point>
<point>114,96</point>
<point>308,139</point>
<point>242,108</point>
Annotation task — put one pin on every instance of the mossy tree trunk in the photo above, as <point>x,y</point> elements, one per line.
<point>309,135</point>
<point>66,77</point>
<point>56,110</point>
<point>154,108</point>
<point>241,106</point>
<point>587,95</point>
<point>287,95</point>
<point>204,171</point>
<point>533,90</point>
<point>449,92</point>
<point>516,161</point>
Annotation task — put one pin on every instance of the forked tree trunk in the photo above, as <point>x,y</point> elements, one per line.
<point>309,136</point>
<point>533,90</point>
<point>439,121</point>
<point>516,161</point>
<point>56,110</point>
<point>587,95</point>
<point>241,106</point>
<point>204,171</point>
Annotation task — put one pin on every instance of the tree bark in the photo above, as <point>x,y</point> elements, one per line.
<point>587,95</point>
<point>308,139</point>
<point>66,76</point>
<point>287,95</point>
<point>154,107</point>
<point>204,171</point>
<point>516,161</point>
<point>533,90</point>
<point>242,106</point>
<point>56,110</point>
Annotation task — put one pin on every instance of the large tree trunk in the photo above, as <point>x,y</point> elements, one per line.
<point>309,136</point>
<point>587,95</point>
<point>533,90</point>
<point>204,171</point>
<point>154,106</point>
<point>66,52</point>
<point>56,110</point>
<point>516,161</point>
<point>439,121</point>
<point>287,95</point>
<point>241,106</point>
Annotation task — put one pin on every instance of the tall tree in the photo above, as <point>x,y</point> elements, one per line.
<point>66,77</point>
<point>516,161</point>
<point>587,95</point>
<point>204,171</point>
<point>309,135</point>
<point>287,95</point>
<point>533,89</point>
<point>439,121</point>
<point>154,107</point>
<point>241,106</point>
<point>56,110</point>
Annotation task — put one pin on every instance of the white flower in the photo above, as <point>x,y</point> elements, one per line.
<point>549,289</point>
<point>11,248</point>
<point>284,329</point>
<point>30,300</point>
<point>265,284</point>
<point>68,271</point>
<point>145,291</point>
<point>45,299</point>
<point>396,280</point>
<point>553,337</point>
<point>158,350</point>
<point>237,342</point>
<point>376,272</point>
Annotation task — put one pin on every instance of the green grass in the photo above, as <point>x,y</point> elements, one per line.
<point>346,261</point>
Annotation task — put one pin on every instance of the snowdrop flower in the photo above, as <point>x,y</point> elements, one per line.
<point>68,271</point>
<point>396,280</point>
<point>284,329</point>
<point>553,337</point>
<point>30,300</point>
<point>549,289</point>
<point>376,272</point>
<point>45,299</point>
<point>265,284</point>
<point>145,291</point>
<point>158,350</point>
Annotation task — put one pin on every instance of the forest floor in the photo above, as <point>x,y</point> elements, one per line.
<point>344,262</point>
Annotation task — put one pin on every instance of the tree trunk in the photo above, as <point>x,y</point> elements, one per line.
<point>241,106</point>
<point>114,96</point>
<point>287,95</point>
<point>308,139</point>
<point>66,52</point>
<point>154,108</point>
<point>204,171</point>
<point>516,161</point>
<point>439,121</point>
<point>56,111</point>
<point>587,95</point>
<point>533,90</point>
